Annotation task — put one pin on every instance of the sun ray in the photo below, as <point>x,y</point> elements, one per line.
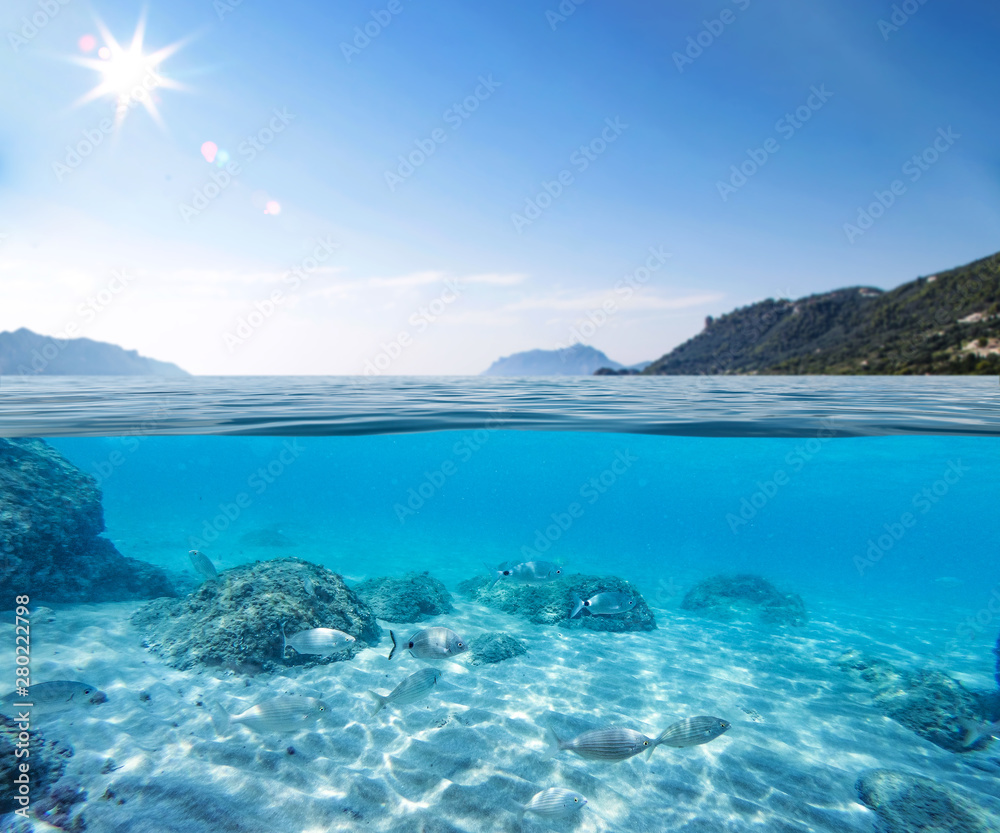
<point>129,76</point>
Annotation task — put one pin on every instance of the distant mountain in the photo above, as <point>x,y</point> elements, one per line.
<point>576,360</point>
<point>23,352</point>
<point>947,323</point>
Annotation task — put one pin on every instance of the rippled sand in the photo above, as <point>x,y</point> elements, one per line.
<point>803,731</point>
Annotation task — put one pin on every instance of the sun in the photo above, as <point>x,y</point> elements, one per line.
<point>129,75</point>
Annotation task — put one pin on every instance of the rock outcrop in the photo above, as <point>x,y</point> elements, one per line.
<point>410,598</point>
<point>51,520</point>
<point>728,597</point>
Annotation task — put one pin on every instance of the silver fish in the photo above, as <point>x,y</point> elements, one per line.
<point>324,641</point>
<point>431,643</point>
<point>603,604</point>
<point>527,572</point>
<point>692,731</point>
<point>202,565</point>
<point>413,688</point>
<point>611,744</point>
<point>553,803</point>
<point>55,696</point>
<point>309,586</point>
<point>285,713</point>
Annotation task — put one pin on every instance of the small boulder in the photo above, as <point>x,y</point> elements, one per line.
<point>929,703</point>
<point>235,621</point>
<point>907,803</point>
<point>411,598</point>
<point>729,597</point>
<point>552,603</point>
<point>495,647</point>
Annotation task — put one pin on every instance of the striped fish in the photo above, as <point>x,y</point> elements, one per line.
<point>202,565</point>
<point>279,714</point>
<point>431,643</point>
<point>54,696</point>
<point>413,688</point>
<point>553,803</point>
<point>692,731</point>
<point>611,744</point>
<point>322,641</point>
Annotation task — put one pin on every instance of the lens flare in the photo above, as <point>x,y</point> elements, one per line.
<point>208,150</point>
<point>87,43</point>
<point>272,207</point>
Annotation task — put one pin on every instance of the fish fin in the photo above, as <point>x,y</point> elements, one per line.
<point>976,731</point>
<point>577,607</point>
<point>520,809</point>
<point>555,744</point>
<point>380,702</point>
<point>220,718</point>
<point>649,752</point>
<point>392,636</point>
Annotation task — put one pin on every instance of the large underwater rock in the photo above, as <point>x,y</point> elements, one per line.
<point>729,597</point>
<point>409,598</point>
<point>47,762</point>
<point>552,603</point>
<point>929,703</point>
<point>235,620</point>
<point>51,520</point>
<point>907,803</point>
<point>495,647</point>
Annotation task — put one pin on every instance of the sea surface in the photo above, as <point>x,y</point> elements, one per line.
<point>877,500</point>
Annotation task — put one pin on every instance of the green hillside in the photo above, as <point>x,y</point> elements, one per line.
<point>947,323</point>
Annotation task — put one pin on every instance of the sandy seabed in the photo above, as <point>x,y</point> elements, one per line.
<point>803,730</point>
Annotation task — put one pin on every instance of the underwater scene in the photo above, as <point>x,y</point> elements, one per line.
<point>489,629</point>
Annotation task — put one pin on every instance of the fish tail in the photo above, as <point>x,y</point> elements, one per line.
<point>555,744</point>
<point>577,607</point>
<point>380,702</point>
<point>666,733</point>
<point>493,571</point>
<point>520,809</point>
<point>220,718</point>
<point>392,636</point>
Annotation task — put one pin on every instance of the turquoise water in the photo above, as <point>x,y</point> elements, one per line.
<point>874,500</point>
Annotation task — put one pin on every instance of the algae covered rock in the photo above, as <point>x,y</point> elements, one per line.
<point>907,803</point>
<point>930,703</point>
<point>47,761</point>
<point>409,598</point>
<point>51,520</point>
<point>729,597</point>
<point>551,603</point>
<point>495,647</point>
<point>235,621</point>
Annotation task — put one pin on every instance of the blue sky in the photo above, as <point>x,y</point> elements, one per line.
<point>443,266</point>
